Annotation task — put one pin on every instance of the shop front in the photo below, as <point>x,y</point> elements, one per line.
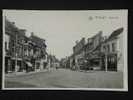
<point>94,61</point>
<point>112,62</point>
<point>8,64</point>
<point>109,62</point>
<point>29,66</point>
<point>15,65</point>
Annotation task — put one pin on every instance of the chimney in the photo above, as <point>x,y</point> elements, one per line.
<point>32,33</point>
<point>13,23</point>
<point>77,42</point>
<point>100,33</point>
<point>89,40</point>
<point>105,37</point>
<point>83,39</point>
<point>23,31</point>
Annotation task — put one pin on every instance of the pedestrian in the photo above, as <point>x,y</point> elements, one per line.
<point>27,70</point>
<point>56,66</point>
<point>73,63</point>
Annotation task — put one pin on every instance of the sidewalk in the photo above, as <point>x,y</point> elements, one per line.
<point>26,73</point>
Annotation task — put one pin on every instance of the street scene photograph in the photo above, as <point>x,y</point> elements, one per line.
<point>65,49</point>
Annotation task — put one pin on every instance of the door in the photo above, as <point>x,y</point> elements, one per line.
<point>112,62</point>
<point>44,65</point>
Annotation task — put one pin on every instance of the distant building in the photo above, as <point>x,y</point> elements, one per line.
<point>63,63</point>
<point>53,61</point>
<point>71,59</point>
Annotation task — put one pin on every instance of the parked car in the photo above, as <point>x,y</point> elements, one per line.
<point>84,65</point>
<point>95,68</point>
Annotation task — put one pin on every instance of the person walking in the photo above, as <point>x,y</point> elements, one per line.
<point>27,69</point>
<point>73,63</point>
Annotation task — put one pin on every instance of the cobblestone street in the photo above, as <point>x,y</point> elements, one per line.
<point>65,78</point>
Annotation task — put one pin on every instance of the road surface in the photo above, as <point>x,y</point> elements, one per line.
<point>65,78</point>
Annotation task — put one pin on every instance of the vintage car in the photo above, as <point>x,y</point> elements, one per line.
<point>83,64</point>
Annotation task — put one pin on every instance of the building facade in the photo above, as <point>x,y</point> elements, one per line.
<point>14,39</point>
<point>38,52</point>
<point>23,53</point>
<point>112,48</point>
<point>87,55</point>
<point>53,61</point>
<point>92,52</point>
<point>77,58</point>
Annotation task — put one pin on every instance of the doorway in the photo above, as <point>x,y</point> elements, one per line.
<point>112,62</point>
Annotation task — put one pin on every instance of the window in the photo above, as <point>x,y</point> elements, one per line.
<point>13,43</point>
<point>108,48</point>
<point>37,65</point>
<point>5,45</point>
<point>104,48</point>
<point>13,52</point>
<point>113,47</point>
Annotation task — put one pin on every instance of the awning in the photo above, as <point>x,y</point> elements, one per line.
<point>29,64</point>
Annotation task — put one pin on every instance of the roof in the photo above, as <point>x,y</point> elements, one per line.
<point>116,33</point>
<point>38,41</point>
<point>11,29</point>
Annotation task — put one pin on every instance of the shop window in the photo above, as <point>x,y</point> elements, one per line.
<point>13,43</point>
<point>113,47</point>
<point>104,48</point>
<point>38,65</point>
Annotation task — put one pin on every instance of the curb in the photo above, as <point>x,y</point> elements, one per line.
<point>24,73</point>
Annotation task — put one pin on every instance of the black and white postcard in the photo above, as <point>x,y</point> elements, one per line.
<point>65,50</point>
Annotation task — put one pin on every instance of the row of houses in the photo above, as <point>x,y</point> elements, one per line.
<point>24,53</point>
<point>54,62</point>
<point>65,62</point>
<point>99,52</point>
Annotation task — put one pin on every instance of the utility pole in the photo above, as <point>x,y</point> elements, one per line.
<point>16,53</point>
<point>23,54</point>
<point>106,65</point>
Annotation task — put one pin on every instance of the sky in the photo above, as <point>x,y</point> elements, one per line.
<point>61,28</point>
